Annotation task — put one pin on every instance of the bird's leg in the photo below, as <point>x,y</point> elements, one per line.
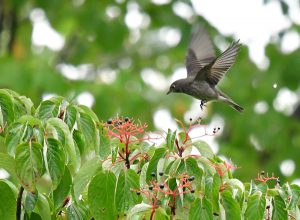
<point>202,103</point>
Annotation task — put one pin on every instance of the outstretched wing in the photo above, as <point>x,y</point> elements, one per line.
<point>222,64</point>
<point>200,52</point>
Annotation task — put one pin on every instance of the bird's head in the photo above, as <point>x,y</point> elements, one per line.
<point>176,87</point>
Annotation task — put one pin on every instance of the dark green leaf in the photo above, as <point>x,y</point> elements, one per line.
<point>201,209</point>
<point>152,167</point>
<point>87,127</point>
<point>55,160</point>
<point>295,189</point>
<point>30,201</point>
<point>126,198</point>
<point>47,109</point>
<point>101,193</point>
<point>58,126</point>
<point>79,140</point>
<point>77,211</point>
<point>13,138</point>
<point>279,211</point>
<point>231,206</point>
<point>174,167</point>
<point>62,190</point>
<point>256,206</point>
<point>70,116</point>
<point>29,164</point>
<point>6,108</point>
<point>192,169</point>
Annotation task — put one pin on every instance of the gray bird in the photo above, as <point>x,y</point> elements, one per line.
<point>204,70</point>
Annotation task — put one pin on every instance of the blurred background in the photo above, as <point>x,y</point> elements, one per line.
<point>119,57</point>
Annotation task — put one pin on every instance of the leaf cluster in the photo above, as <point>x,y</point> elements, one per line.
<point>63,163</point>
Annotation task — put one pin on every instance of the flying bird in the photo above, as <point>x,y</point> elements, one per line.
<point>205,70</point>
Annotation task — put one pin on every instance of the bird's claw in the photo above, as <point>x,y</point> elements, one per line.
<point>202,104</point>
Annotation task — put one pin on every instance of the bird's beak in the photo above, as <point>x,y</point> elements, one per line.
<point>169,92</point>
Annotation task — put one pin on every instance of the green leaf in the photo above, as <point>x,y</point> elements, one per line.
<point>295,191</point>
<point>87,126</point>
<point>84,175</point>
<point>22,106</point>
<point>215,192</point>
<point>6,108</point>
<point>184,139</point>
<point>70,116</point>
<point>231,206</point>
<point>256,206</point>
<point>62,190</point>
<point>28,104</point>
<point>174,167</point>
<point>29,164</point>
<point>8,163</point>
<point>105,143</point>
<point>31,201</point>
<point>77,211</point>
<point>204,149</point>
<point>7,202</point>
<point>34,122</point>
<point>42,207</point>
<point>13,137</point>
<point>101,193</point>
<point>125,197</point>
<point>279,211</point>
<point>212,186</point>
<point>48,109</point>
<point>171,139</point>
<point>32,216</point>
<point>55,161</point>
<point>160,214</point>
<point>152,167</point>
<point>73,160</point>
<point>79,141</point>
<point>88,111</point>
<point>192,169</point>
<point>201,209</point>
<point>138,210</point>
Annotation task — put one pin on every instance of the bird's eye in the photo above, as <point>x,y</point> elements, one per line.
<point>173,86</point>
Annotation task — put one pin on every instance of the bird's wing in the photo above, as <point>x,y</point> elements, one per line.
<point>222,64</point>
<point>200,52</point>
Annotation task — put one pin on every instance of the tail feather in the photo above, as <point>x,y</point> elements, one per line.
<point>235,106</point>
<point>229,101</point>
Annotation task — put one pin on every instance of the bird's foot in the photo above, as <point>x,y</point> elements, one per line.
<point>202,104</point>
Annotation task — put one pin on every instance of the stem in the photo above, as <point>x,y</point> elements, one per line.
<point>19,203</point>
<point>127,162</point>
<point>173,205</point>
<point>152,214</point>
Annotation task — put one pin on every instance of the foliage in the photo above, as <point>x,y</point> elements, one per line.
<point>66,164</point>
<point>99,42</point>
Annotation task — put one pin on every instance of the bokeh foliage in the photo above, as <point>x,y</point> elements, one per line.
<point>91,37</point>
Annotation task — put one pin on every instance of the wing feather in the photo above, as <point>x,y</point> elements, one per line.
<point>223,63</point>
<point>200,52</point>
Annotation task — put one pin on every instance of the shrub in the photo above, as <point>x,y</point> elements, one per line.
<point>63,163</point>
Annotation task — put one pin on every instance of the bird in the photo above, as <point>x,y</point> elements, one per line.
<point>205,70</point>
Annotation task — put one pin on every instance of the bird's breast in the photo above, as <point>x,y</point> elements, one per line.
<point>202,90</point>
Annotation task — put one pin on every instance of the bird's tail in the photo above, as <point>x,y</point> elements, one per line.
<point>229,101</point>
